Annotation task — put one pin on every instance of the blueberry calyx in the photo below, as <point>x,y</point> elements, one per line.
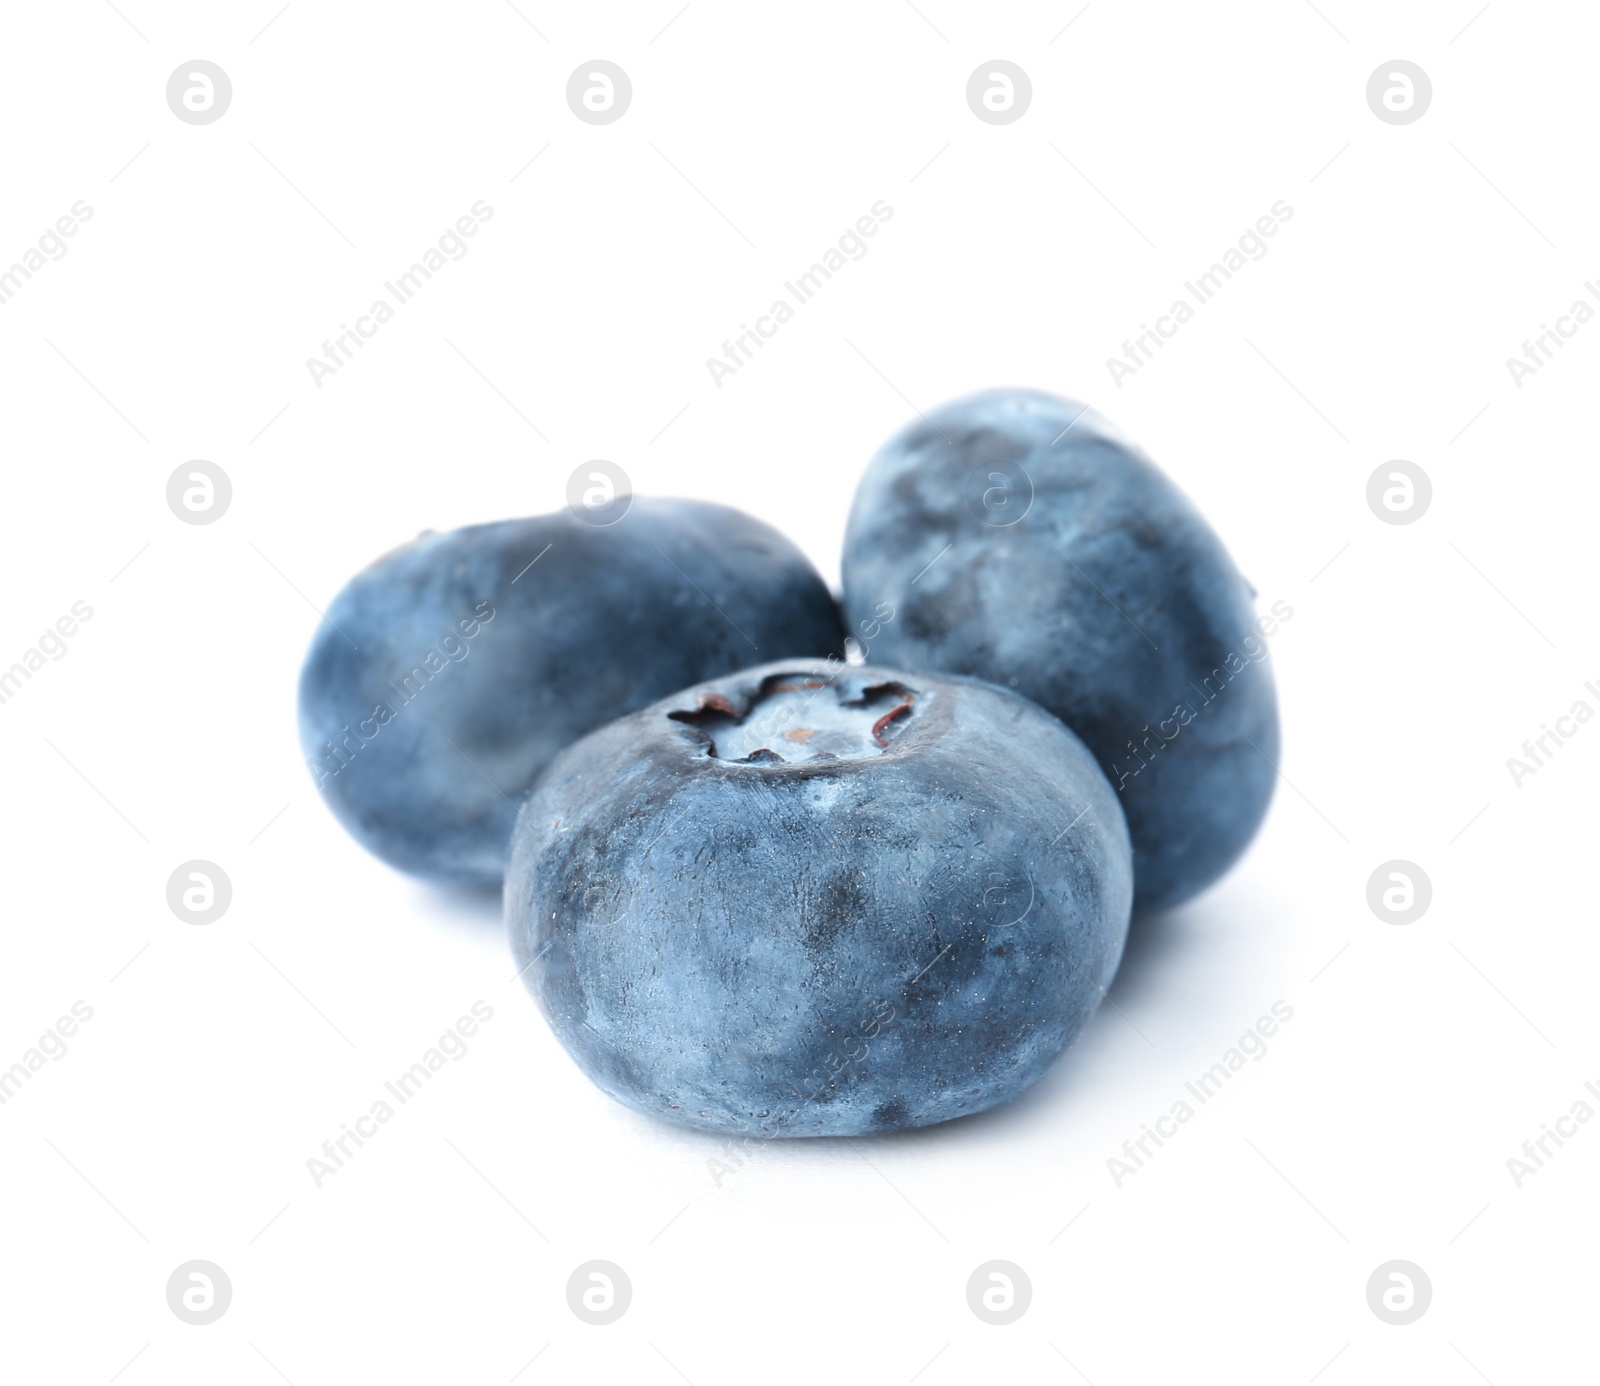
<point>789,719</point>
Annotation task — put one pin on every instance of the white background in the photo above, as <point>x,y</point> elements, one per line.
<point>1418,658</point>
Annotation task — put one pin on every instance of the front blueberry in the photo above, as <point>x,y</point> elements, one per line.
<point>1018,537</point>
<point>449,673</point>
<point>814,899</point>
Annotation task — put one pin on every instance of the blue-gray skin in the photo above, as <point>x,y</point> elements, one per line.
<point>814,899</point>
<point>449,673</point>
<point>1065,565</point>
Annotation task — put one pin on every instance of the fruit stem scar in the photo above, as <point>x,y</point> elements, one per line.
<point>789,710</point>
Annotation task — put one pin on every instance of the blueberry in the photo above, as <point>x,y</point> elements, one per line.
<point>813,899</point>
<point>449,673</point>
<point>1018,537</point>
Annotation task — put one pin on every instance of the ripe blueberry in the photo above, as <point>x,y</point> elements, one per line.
<point>1020,538</point>
<point>816,899</point>
<point>449,673</point>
